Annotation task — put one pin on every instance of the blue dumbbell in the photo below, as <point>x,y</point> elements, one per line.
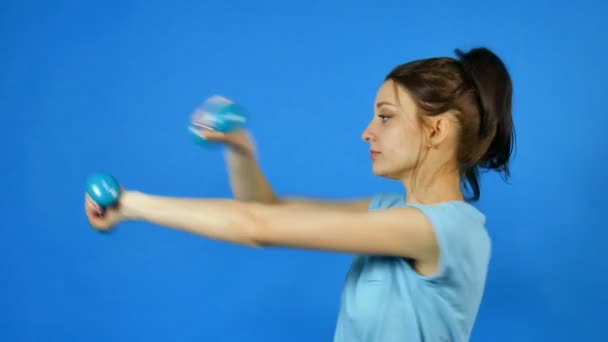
<point>217,113</point>
<point>103,189</point>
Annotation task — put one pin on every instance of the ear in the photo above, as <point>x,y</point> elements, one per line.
<point>440,128</point>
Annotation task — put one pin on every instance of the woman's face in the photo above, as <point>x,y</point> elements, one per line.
<point>394,133</point>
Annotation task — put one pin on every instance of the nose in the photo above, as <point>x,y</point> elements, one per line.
<point>368,135</point>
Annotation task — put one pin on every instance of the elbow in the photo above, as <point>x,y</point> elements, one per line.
<point>253,228</point>
<point>253,236</point>
<point>257,235</point>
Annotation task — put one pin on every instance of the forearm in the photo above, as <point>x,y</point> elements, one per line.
<point>220,219</point>
<point>247,180</point>
<point>249,183</point>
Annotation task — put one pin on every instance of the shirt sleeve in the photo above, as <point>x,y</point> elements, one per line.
<point>464,246</point>
<point>385,201</point>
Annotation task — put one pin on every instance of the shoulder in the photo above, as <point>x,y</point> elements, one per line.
<point>386,200</point>
<point>453,220</point>
<point>452,213</point>
<point>463,241</point>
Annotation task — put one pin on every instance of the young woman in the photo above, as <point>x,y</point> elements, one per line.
<point>422,257</point>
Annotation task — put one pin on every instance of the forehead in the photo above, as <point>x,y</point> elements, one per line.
<point>392,93</point>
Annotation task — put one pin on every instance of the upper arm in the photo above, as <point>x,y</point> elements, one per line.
<point>402,231</point>
<point>322,204</point>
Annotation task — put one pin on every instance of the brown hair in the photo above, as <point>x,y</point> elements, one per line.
<point>477,87</point>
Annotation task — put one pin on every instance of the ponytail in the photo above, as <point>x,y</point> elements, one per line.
<point>496,134</point>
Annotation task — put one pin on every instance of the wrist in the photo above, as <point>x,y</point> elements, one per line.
<point>129,204</point>
<point>241,152</point>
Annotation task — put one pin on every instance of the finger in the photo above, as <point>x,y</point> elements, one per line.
<point>93,207</point>
<point>96,215</point>
<point>93,203</point>
<point>97,221</point>
<point>94,212</point>
<point>93,218</point>
<point>212,135</point>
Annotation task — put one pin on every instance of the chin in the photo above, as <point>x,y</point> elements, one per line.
<point>385,172</point>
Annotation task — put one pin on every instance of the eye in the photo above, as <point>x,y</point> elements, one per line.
<point>384,117</point>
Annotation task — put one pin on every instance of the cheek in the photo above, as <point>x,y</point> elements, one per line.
<point>404,143</point>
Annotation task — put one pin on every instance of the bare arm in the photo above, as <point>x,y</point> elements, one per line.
<point>250,184</point>
<point>402,232</point>
<point>247,180</point>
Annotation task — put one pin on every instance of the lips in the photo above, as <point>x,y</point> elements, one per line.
<point>374,154</point>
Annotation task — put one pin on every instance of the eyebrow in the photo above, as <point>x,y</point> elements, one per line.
<point>382,103</point>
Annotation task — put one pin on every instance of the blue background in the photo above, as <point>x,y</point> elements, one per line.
<point>109,86</point>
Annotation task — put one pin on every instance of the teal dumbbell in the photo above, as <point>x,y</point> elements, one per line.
<point>217,113</point>
<point>103,189</point>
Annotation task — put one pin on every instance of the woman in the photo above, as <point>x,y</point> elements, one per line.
<point>423,256</point>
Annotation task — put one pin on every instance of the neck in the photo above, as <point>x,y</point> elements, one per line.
<point>429,188</point>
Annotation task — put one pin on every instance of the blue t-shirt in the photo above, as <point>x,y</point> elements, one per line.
<point>385,299</point>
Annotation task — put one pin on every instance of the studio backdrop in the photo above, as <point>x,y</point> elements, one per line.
<point>110,85</point>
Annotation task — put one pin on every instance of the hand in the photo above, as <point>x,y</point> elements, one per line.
<point>102,219</point>
<point>241,140</point>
